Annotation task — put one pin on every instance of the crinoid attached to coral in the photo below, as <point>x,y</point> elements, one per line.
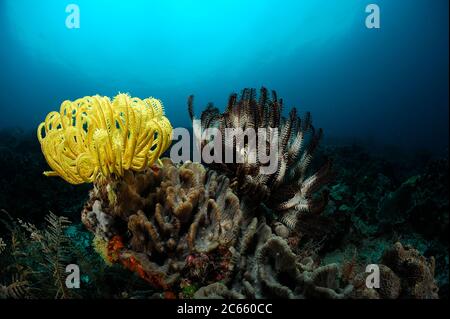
<point>169,224</point>
<point>290,188</point>
<point>94,136</point>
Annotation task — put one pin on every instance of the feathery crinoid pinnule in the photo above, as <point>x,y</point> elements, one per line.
<point>94,136</point>
<point>290,189</point>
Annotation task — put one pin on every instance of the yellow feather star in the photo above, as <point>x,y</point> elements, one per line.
<point>93,136</point>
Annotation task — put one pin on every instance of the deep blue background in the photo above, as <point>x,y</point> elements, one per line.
<point>388,85</point>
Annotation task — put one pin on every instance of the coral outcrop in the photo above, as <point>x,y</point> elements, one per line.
<point>183,230</point>
<point>169,223</point>
<point>416,271</point>
<point>232,230</point>
<point>404,273</point>
<point>266,267</point>
<point>290,188</point>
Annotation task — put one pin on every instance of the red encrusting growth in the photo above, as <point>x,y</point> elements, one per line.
<point>116,254</point>
<point>115,247</point>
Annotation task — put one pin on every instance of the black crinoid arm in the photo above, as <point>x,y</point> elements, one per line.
<point>290,189</point>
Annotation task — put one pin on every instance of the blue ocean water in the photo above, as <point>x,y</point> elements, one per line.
<point>387,85</point>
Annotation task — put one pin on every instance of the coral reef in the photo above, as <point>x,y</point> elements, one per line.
<point>290,188</point>
<point>376,201</point>
<point>169,224</point>
<point>96,136</point>
<point>188,232</point>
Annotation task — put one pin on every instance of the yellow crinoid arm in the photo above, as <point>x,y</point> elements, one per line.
<point>94,136</point>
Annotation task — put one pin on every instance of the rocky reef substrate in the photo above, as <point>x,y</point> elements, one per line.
<point>180,231</point>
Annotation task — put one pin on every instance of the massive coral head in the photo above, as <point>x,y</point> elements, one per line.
<point>94,136</point>
<point>169,224</point>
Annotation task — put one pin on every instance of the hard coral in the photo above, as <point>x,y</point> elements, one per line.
<point>404,273</point>
<point>266,267</point>
<point>416,271</point>
<point>217,291</point>
<point>94,136</point>
<point>289,190</point>
<point>167,223</point>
